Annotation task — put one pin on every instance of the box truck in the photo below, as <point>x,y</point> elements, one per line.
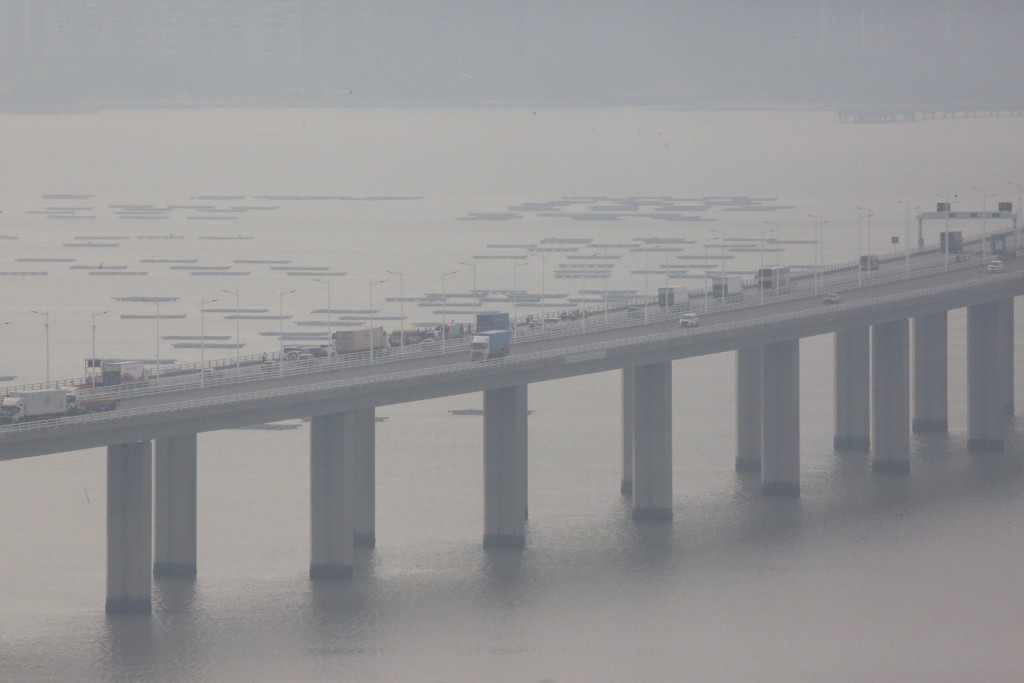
<point>490,344</point>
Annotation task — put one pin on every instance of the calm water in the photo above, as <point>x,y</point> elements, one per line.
<point>863,578</point>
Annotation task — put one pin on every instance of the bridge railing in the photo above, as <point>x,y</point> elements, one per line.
<point>487,366</point>
<point>843,276</point>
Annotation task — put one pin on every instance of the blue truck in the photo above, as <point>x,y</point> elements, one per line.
<point>493,320</point>
<point>490,344</point>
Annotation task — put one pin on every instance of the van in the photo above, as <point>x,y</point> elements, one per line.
<point>995,266</point>
<point>689,320</point>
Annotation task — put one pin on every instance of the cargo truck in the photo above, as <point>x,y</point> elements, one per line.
<point>492,320</point>
<point>868,262</point>
<point>354,341</point>
<point>121,372</point>
<point>490,344</point>
<point>775,277</point>
<point>726,286</point>
<point>39,404</point>
<point>675,298</point>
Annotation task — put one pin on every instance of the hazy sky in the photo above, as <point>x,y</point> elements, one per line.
<point>460,51</point>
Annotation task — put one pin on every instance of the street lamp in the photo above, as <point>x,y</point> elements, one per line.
<point>646,245</point>
<point>157,302</point>
<point>375,282</point>
<point>444,313</point>
<point>906,233</point>
<point>707,293</point>
<point>473,266</point>
<point>202,339</point>
<point>760,278</point>
<point>984,220</point>
<point>868,214</point>
<point>543,293</point>
<point>92,360</point>
<point>401,306</point>
<point>515,297</point>
<point>330,339</point>
<point>819,236</point>
<point>280,333</point>
<point>238,333</point>
<point>47,325</point>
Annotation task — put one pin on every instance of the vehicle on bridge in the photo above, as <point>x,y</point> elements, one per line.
<point>41,404</point>
<point>354,341</point>
<point>830,298</point>
<point>774,277</point>
<point>995,266</point>
<point>869,262</point>
<point>493,320</point>
<point>726,286</point>
<point>490,344</point>
<point>689,320</point>
<point>116,373</point>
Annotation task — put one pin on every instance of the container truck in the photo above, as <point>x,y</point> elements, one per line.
<point>869,262</point>
<point>673,297</point>
<point>951,242</point>
<point>490,344</point>
<point>39,404</point>
<point>726,286</point>
<point>775,277</point>
<point>492,320</point>
<point>121,372</point>
<point>353,341</point>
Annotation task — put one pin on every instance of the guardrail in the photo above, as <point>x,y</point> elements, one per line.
<point>508,362</point>
<point>249,368</point>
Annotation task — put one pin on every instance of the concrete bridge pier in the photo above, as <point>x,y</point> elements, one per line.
<point>749,408</point>
<point>852,387</point>
<point>890,392</point>
<point>174,502</point>
<point>129,528</point>
<point>331,474</point>
<point>652,442</point>
<point>505,467</point>
<point>1006,332</point>
<point>628,413</point>
<point>364,425</point>
<point>780,398</point>
<point>931,373</point>
<point>987,351</point>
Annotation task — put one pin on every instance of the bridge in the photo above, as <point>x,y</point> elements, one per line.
<point>151,439</point>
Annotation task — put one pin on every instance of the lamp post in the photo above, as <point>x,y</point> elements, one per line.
<point>92,360</point>
<point>238,328</point>
<point>707,292</point>
<point>984,219</point>
<point>543,293</point>
<point>280,332</point>
<point>906,233</point>
<point>401,306</point>
<point>375,282</point>
<point>473,266</point>
<point>819,236</point>
<point>157,302</point>
<point>202,339</point>
<point>328,283</point>
<point>444,313</point>
<point>760,283</point>
<point>867,214</point>
<point>515,297</point>
<point>47,325</point>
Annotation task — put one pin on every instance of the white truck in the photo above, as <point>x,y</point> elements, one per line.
<point>673,298</point>
<point>37,404</point>
<point>353,341</point>
<point>726,286</point>
<point>121,372</point>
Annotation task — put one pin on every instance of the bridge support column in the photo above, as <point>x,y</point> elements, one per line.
<point>890,392</point>
<point>749,368</point>
<point>331,456</point>
<point>853,400</point>
<point>505,462</point>
<point>780,398</point>
<point>652,442</point>
<point>628,414</point>
<point>174,498</point>
<point>364,425</point>
<point>129,528</point>
<point>931,373</point>
<point>1006,333</point>
<point>987,349</point>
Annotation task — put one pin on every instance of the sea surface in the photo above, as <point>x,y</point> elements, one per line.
<point>864,577</point>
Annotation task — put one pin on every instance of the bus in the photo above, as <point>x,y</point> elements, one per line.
<point>773,277</point>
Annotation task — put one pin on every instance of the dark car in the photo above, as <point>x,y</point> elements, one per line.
<point>830,298</point>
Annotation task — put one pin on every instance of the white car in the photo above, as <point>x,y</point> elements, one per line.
<point>689,320</point>
<point>830,298</point>
<point>995,266</point>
